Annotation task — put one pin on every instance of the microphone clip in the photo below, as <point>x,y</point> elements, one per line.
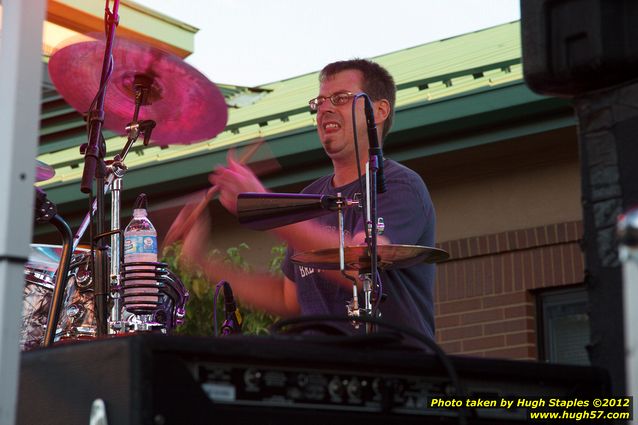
<point>233,320</point>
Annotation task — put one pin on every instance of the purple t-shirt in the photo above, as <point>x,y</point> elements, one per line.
<point>409,218</point>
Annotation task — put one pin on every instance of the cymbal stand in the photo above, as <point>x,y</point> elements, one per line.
<point>142,86</point>
<point>116,171</point>
<point>94,168</point>
<point>365,276</point>
<point>352,306</point>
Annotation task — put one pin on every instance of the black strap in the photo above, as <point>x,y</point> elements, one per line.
<point>13,259</point>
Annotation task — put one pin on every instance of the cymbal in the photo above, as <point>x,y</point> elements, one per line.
<point>43,171</point>
<point>356,257</point>
<point>185,105</point>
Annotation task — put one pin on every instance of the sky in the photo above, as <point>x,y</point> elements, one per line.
<point>253,42</point>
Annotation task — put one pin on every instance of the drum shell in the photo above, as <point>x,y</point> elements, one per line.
<point>36,302</point>
<point>40,275</point>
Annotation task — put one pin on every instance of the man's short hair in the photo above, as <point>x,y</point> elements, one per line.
<point>377,82</point>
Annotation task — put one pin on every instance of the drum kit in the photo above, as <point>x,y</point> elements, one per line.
<point>74,293</point>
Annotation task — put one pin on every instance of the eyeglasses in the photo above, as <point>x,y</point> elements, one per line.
<point>337,99</point>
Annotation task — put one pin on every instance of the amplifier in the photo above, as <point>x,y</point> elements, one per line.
<point>171,380</point>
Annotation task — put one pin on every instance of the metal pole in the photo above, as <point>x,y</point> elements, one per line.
<point>20,82</point>
<point>116,310</point>
<point>628,254</point>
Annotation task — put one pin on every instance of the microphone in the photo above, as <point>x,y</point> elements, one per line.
<point>232,322</point>
<point>375,148</point>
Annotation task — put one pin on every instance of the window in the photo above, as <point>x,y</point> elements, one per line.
<point>563,326</point>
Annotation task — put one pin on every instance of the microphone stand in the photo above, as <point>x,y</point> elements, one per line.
<point>95,167</point>
<point>373,186</point>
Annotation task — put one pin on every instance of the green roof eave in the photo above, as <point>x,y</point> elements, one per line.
<point>424,129</point>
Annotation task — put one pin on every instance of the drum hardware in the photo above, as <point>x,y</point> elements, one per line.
<point>352,307</point>
<point>263,211</point>
<point>148,78</point>
<point>163,310</point>
<point>390,256</point>
<point>45,212</point>
<point>95,167</point>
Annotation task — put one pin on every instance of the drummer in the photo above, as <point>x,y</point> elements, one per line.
<point>406,208</point>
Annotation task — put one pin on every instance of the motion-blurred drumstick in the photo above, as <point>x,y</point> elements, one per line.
<point>176,232</point>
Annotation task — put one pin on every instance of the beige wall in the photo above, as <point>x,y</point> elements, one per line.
<point>505,186</point>
<point>517,200</point>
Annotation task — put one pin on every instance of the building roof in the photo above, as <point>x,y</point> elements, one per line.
<point>452,93</point>
<point>136,22</point>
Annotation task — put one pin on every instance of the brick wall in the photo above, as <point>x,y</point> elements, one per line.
<point>483,303</point>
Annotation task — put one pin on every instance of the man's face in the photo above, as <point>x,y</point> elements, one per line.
<point>334,123</point>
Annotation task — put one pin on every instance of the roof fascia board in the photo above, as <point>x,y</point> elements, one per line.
<point>136,22</point>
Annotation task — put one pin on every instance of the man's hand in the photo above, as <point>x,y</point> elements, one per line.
<point>195,247</point>
<point>232,180</point>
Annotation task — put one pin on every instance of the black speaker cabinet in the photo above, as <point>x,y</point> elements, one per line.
<point>575,46</point>
<point>170,380</point>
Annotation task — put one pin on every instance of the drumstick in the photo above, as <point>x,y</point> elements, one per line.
<point>176,233</point>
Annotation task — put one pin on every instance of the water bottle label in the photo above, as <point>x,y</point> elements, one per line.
<point>140,245</point>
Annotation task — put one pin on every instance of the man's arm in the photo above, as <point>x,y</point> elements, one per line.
<point>304,236</point>
<point>274,294</point>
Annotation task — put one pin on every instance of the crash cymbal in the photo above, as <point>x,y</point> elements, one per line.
<point>43,171</point>
<point>357,258</point>
<point>185,105</point>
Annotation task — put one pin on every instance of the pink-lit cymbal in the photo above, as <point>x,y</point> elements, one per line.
<point>357,257</point>
<point>185,105</point>
<point>43,171</point>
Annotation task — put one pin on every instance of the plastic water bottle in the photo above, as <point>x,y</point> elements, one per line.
<point>140,245</point>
